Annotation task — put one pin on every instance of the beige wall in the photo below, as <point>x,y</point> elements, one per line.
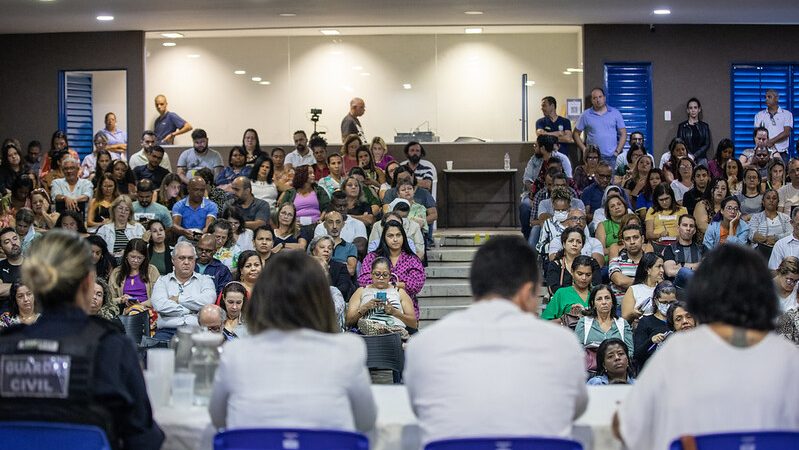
<point>108,95</point>
<point>464,85</point>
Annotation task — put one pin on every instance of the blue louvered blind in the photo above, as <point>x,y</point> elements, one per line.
<point>794,98</point>
<point>628,87</point>
<point>79,112</point>
<point>749,85</point>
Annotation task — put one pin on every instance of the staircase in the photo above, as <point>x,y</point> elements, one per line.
<point>447,286</point>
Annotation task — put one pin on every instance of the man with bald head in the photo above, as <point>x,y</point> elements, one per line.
<point>212,317</point>
<point>210,266</point>
<point>350,124</point>
<point>193,214</point>
<point>168,124</point>
<point>254,210</point>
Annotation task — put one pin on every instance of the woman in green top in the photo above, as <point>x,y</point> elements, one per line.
<point>573,299</point>
<point>608,231</point>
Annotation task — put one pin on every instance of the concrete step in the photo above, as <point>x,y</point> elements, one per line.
<point>437,312</point>
<point>445,288</point>
<point>447,270</point>
<point>459,254</point>
<point>462,240</point>
<point>445,301</point>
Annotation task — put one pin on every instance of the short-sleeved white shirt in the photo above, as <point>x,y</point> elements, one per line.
<point>781,119</point>
<point>699,384</point>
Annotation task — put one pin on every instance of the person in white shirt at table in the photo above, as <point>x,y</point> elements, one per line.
<point>295,370</point>
<point>495,369</point>
<point>732,373</point>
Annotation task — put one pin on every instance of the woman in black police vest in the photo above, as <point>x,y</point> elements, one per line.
<point>105,386</point>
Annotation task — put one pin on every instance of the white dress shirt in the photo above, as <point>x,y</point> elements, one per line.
<point>192,295</point>
<point>353,228</point>
<point>787,246</point>
<point>296,160</point>
<point>494,370</point>
<point>775,125</point>
<point>294,379</point>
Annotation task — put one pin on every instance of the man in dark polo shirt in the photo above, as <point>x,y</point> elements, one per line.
<point>254,210</point>
<point>152,170</point>
<point>552,124</point>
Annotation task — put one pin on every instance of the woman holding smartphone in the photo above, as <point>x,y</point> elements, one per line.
<point>381,307</point>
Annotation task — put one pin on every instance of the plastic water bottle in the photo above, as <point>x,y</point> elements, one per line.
<point>507,161</point>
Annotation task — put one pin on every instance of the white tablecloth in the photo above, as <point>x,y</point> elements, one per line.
<point>189,428</point>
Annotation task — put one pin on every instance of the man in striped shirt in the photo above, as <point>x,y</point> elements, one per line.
<point>622,268</point>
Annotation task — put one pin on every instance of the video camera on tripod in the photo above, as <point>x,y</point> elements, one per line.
<point>315,113</point>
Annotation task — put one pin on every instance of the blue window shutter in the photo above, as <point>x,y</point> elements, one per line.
<point>749,85</point>
<point>794,107</point>
<point>628,87</point>
<point>79,117</point>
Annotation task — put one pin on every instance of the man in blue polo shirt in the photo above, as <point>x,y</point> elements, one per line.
<point>343,251</point>
<point>552,124</point>
<point>168,124</point>
<point>603,126</point>
<point>192,215</point>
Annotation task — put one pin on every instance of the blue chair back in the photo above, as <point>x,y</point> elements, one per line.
<point>51,435</point>
<point>289,439</point>
<point>762,440</point>
<point>514,443</point>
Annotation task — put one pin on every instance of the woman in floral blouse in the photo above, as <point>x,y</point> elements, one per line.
<point>407,271</point>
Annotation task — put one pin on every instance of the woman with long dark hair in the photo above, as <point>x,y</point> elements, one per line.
<point>132,282</point>
<point>407,271</point>
<point>727,226</point>
<point>102,259</point>
<point>724,151</point>
<point>637,300</point>
<point>261,178</point>
<point>251,145</point>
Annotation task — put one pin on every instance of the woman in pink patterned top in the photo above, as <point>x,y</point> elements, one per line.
<point>407,271</point>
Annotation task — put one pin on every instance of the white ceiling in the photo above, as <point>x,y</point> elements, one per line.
<point>38,16</point>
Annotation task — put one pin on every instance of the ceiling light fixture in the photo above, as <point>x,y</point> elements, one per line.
<point>566,72</point>
<point>473,13</point>
<point>256,78</point>
<point>172,35</point>
<point>105,18</point>
<point>475,30</point>
<point>329,32</point>
<point>407,86</point>
<point>662,12</point>
<point>193,55</point>
<point>530,83</point>
<point>264,83</point>
<point>287,15</point>
<point>357,67</point>
<point>572,69</point>
<point>169,44</point>
<point>365,74</point>
<point>239,72</point>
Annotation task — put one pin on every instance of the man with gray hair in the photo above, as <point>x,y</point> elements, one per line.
<point>778,122</point>
<point>71,193</point>
<point>179,295</point>
<point>350,123</point>
<point>212,317</point>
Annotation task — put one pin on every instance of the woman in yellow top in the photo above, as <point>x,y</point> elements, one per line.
<point>662,218</point>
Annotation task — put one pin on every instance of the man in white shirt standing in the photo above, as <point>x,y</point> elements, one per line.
<point>302,155</point>
<point>495,369</point>
<point>778,122</point>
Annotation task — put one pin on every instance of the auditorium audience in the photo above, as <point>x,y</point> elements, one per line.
<point>585,173</point>
<point>734,172</point>
<point>406,267</point>
<point>639,182</point>
<point>122,227</point>
<point>412,230</point>
<point>296,367</point>
<point>751,196</point>
<point>381,307</point>
<point>613,364</point>
<point>732,296</point>
<point>498,337</point>
<point>216,195</point>
<point>637,300</point>
<point>179,295</point>
<point>653,329</point>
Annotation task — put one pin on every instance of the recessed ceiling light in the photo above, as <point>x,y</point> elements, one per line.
<point>365,74</point>
<point>329,32</point>
<point>407,86</point>
<point>239,72</point>
<point>193,55</point>
<point>105,18</point>
<point>265,82</point>
<point>566,72</point>
<point>572,69</point>
<point>473,30</point>
<point>287,15</point>
<point>662,12</point>
<point>256,78</point>
<point>172,35</point>
<point>357,67</point>
<point>473,13</point>
<point>530,83</point>
<point>169,44</point>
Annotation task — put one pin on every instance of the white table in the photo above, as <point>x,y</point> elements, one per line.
<point>189,428</point>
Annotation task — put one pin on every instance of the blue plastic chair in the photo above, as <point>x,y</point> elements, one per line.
<point>511,443</point>
<point>756,440</point>
<point>52,435</point>
<point>289,439</point>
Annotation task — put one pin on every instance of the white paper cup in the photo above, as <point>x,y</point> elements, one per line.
<point>449,165</point>
<point>157,387</point>
<point>183,389</point>
<point>161,360</point>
